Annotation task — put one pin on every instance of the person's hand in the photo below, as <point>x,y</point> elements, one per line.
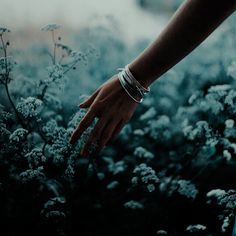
<point>113,107</point>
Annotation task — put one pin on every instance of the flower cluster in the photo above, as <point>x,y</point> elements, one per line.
<point>32,174</point>
<point>227,200</point>
<point>35,157</point>
<point>18,135</point>
<point>50,27</point>
<point>145,176</point>
<point>29,107</point>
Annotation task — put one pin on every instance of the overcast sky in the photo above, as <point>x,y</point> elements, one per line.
<point>134,22</point>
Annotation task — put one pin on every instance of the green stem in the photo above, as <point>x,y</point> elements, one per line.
<point>6,75</point>
<point>54,49</point>
<point>5,58</point>
<point>14,107</point>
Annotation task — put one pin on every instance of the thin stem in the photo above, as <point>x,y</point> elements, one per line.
<point>6,75</point>
<point>70,67</point>
<point>5,58</point>
<point>54,49</point>
<point>14,107</point>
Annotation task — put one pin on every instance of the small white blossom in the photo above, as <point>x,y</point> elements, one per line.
<point>225,224</point>
<point>216,193</point>
<point>35,157</point>
<point>195,228</point>
<point>162,232</point>
<point>220,87</point>
<point>149,114</point>
<point>133,205</point>
<point>187,189</point>
<point>32,174</point>
<point>4,30</point>
<point>18,135</point>
<point>229,123</point>
<point>233,145</point>
<point>139,132</point>
<point>227,155</point>
<point>112,185</point>
<point>151,188</point>
<point>50,27</point>
<point>143,153</point>
<point>146,176</point>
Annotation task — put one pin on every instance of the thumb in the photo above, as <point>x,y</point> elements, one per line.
<point>88,101</point>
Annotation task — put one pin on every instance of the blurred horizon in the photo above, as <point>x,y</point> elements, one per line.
<point>75,14</point>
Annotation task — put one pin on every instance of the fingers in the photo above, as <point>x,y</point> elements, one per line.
<point>89,101</point>
<point>100,135</point>
<point>95,135</point>
<point>117,130</point>
<point>83,125</point>
<point>106,134</point>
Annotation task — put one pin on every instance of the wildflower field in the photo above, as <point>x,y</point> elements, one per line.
<point>171,171</point>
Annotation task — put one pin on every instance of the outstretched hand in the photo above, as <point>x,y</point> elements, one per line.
<point>113,108</point>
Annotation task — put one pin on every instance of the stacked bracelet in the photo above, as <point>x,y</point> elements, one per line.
<point>131,86</point>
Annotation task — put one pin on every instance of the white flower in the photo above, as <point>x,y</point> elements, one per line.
<point>139,132</point>
<point>219,87</point>
<point>112,185</point>
<point>35,157</point>
<point>133,205</point>
<point>227,155</point>
<point>151,188</point>
<point>162,232</point>
<point>18,135</point>
<point>225,224</point>
<point>149,114</point>
<point>32,174</point>
<point>143,153</point>
<point>146,176</point>
<point>216,193</point>
<point>195,228</point>
<point>50,27</point>
<point>229,123</point>
<point>233,145</point>
<point>4,30</point>
<point>187,189</point>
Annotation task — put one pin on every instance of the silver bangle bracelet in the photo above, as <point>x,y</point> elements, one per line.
<point>131,86</point>
<point>145,90</point>
<point>124,86</point>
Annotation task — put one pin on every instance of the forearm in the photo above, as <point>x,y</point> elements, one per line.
<point>190,25</point>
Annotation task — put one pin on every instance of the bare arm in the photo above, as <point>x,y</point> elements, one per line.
<point>189,26</point>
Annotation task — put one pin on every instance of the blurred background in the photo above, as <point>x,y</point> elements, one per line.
<point>136,18</point>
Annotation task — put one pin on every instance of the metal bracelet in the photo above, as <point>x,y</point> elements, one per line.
<point>132,87</point>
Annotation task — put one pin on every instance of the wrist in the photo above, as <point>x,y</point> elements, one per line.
<point>131,85</point>
<point>139,75</point>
